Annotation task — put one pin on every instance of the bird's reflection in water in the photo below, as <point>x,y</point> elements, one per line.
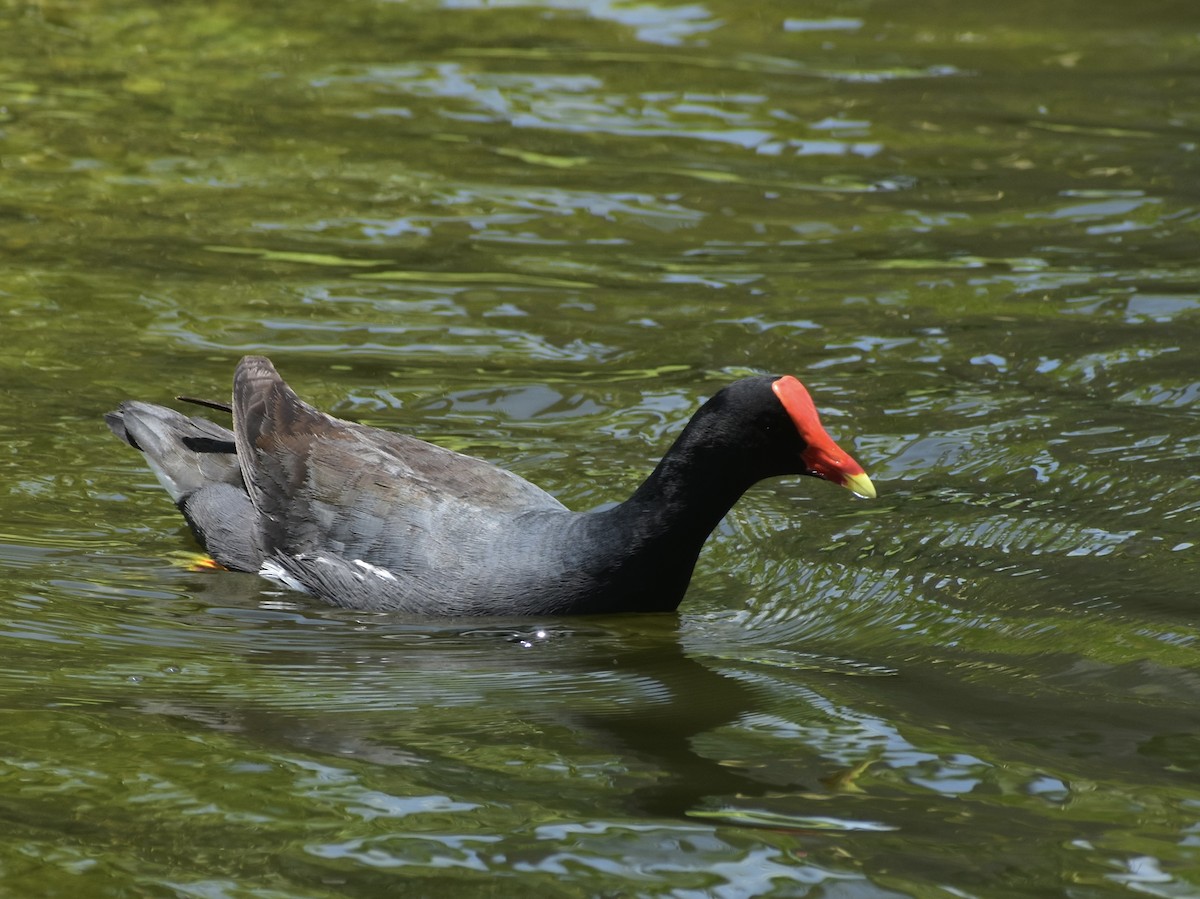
<point>623,688</point>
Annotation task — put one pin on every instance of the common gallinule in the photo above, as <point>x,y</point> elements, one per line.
<point>369,519</point>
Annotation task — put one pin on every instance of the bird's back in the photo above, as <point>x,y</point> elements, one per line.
<point>329,489</point>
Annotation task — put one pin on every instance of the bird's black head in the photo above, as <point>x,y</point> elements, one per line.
<point>773,425</point>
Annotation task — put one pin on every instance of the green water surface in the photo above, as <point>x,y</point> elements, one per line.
<point>541,233</point>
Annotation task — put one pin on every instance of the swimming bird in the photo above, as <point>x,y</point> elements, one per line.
<point>370,519</point>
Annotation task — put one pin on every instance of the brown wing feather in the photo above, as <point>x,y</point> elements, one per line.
<point>323,484</point>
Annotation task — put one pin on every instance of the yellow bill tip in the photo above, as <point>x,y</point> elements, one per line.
<point>859,484</point>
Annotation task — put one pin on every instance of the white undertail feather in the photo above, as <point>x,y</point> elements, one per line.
<point>273,571</point>
<point>169,483</point>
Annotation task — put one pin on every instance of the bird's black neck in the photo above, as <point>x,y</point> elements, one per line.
<point>651,540</point>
